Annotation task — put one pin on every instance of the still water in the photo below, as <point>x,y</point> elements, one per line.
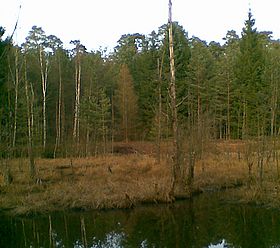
<point>204,222</point>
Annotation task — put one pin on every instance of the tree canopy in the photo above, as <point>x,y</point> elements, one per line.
<point>233,87</point>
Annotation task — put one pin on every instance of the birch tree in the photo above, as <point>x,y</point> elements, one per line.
<point>78,51</point>
<point>57,50</point>
<point>29,94</point>
<point>37,41</point>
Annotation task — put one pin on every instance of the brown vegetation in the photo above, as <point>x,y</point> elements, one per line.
<point>86,183</point>
<point>120,181</point>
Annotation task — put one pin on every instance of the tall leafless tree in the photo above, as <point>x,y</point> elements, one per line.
<point>172,94</point>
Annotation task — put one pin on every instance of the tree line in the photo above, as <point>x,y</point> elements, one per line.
<point>72,102</point>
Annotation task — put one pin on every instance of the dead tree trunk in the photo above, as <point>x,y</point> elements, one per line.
<point>172,94</point>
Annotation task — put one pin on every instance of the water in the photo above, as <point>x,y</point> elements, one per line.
<point>204,222</point>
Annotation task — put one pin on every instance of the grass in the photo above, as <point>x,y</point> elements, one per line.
<point>90,183</point>
<point>123,181</point>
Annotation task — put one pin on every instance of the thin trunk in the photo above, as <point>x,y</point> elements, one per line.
<point>44,77</point>
<point>244,133</point>
<point>261,151</point>
<point>112,126</point>
<point>29,105</point>
<point>191,168</point>
<point>66,231</point>
<point>198,103</point>
<point>159,109</point>
<point>172,93</point>
<point>76,129</point>
<point>124,103</point>
<point>24,233</point>
<point>228,109</point>
<point>16,97</point>
<point>83,232</point>
<point>277,164</point>
<point>103,132</point>
<point>78,104</point>
<point>50,233</point>
<point>59,108</point>
<point>273,106</point>
<point>87,142</point>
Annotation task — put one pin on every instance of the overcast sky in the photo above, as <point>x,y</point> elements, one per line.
<point>100,23</point>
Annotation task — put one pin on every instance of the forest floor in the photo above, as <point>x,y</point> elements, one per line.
<point>132,176</point>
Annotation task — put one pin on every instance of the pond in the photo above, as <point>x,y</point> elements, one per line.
<point>204,221</point>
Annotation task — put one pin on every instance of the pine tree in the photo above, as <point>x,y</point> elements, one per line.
<point>95,118</point>
<point>249,73</point>
<point>5,106</point>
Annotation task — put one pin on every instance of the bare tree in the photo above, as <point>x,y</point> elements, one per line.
<point>126,103</point>
<point>172,95</point>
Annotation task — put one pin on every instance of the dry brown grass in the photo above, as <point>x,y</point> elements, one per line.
<point>219,171</point>
<point>102,182</point>
<point>120,181</point>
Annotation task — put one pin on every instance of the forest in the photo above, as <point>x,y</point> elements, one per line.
<point>161,117</point>
<point>57,102</point>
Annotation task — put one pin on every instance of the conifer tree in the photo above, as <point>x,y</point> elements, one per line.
<point>5,108</point>
<point>249,73</point>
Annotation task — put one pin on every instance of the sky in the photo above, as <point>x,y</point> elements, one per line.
<point>100,23</point>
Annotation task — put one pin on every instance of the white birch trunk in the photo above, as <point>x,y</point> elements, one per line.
<point>76,129</point>
<point>44,77</point>
<point>29,104</point>
<point>59,108</point>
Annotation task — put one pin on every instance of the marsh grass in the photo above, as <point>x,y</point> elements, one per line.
<point>123,181</point>
<point>89,183</point>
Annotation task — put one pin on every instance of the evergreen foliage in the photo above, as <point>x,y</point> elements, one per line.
<point>233,87</point>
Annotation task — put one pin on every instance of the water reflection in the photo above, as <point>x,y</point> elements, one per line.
<point>204,222</point>
<point>221,244</point>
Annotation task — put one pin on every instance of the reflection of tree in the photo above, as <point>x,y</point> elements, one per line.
<point>198,223</point>
<point>112,239</point>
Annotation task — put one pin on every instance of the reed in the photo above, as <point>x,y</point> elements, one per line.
<point>123,181</point>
